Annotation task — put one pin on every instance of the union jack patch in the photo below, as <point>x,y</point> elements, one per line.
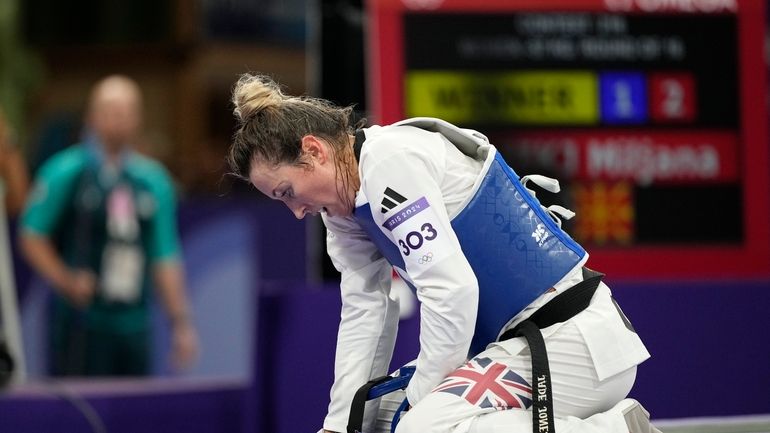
<point>488,384</point>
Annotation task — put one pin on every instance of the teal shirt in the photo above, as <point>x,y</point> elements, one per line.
<point>67,205</point>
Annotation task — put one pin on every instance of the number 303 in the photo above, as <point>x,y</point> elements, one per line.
<point>414,240</point>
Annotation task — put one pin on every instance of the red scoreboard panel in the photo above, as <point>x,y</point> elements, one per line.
<point>652,114</point>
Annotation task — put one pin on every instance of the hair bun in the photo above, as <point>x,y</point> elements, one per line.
<point>254,93</point>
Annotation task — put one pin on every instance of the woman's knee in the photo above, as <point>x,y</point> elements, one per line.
<point>416,421</point>
<point>433,414</point>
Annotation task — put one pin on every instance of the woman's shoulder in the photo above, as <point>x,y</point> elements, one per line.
<point>385,141</point>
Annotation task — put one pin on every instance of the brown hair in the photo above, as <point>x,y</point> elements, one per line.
<point>271,126</point>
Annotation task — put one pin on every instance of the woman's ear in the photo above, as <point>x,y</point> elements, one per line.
<point>315,149</point>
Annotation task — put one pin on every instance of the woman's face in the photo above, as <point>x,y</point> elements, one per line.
<point>304,189</point>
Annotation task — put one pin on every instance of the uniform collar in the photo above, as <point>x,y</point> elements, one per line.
<point>359,143</point>
<point>95,148</point>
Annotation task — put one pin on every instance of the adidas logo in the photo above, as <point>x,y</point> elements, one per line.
<point>391,200</point>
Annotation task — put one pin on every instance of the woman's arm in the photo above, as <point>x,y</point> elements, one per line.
<point>368,319</point>
<point>413,163</point>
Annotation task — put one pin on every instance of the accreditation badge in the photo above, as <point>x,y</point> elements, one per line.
<point>122,271</point>
<point>420,234</point>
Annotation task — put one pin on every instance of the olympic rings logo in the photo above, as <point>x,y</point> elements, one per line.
<point>425,258</point>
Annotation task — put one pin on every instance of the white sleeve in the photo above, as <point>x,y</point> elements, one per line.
<point>420,227</point>
<point>369,318</point>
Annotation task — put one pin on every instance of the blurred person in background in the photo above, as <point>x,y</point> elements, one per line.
<point>14,178</point>
<point>417,195</point>
<point>99,225</point>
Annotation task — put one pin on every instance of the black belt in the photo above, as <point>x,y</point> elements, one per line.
<point>560,309</point>
<point>356,416</point>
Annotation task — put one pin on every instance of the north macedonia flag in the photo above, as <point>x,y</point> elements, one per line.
<point>605,212</point>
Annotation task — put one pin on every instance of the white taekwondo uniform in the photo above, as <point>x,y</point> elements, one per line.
<point>593,356</point>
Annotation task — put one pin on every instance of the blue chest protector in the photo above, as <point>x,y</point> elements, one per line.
<point>515,248</point>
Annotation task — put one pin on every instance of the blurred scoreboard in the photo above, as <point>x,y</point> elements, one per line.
<point>652,114</point>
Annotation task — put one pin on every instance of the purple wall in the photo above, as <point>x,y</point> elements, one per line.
<point>700,334</point>
<point>126,407</point>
